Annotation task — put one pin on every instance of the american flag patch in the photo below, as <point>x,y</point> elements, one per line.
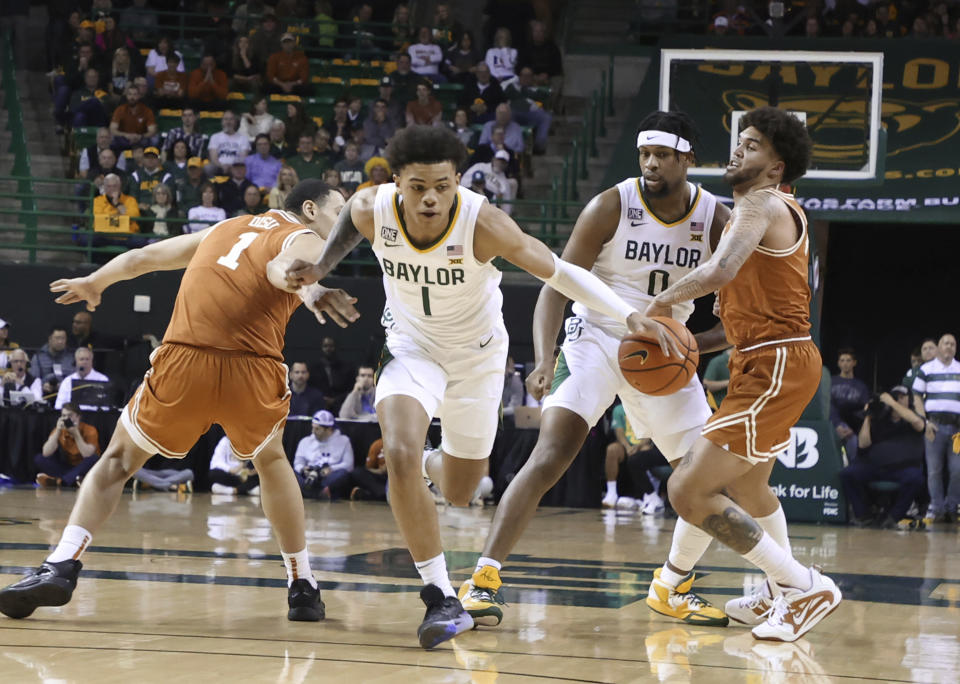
<point>696,226</point>
<point>454,250</point>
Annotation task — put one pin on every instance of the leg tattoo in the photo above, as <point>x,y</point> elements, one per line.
<point>738,531</point>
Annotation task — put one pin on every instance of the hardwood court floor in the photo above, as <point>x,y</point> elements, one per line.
<point>193,590</point>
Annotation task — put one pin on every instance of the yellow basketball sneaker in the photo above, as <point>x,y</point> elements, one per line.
<point>479,596</point>
<point>681,603</point>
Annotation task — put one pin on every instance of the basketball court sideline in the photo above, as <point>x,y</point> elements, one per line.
<point>175,588</point>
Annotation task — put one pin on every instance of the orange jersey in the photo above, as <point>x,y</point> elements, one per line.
<point>769,299</point>
<point>225,300</point>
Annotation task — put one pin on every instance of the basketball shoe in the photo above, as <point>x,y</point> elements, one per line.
<point>481,598</point>
<point>681,603</point>
<point>445,617</point>
<point>795,612</point>
<point>304,602</point>
<point>51,584</point>
<point>753,607</point>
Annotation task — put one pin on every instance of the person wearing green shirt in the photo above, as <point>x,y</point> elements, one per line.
<point>306,162</point>
<point>717,376</point>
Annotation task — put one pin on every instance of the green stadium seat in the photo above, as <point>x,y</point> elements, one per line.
<point>209,122</point>
<point>366,89</point>
<point>447,93</point>
<point>328,86</point>
<point>84,136</point>
<point>320,106</point>
<point>277,104</point>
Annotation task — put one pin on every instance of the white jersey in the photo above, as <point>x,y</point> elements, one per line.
<point>440,295</point>
<point>646,255</point>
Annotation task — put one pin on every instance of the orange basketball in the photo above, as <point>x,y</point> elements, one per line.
<point>646,368</point>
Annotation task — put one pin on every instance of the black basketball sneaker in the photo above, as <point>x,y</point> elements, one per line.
<point>304,602</point>
<point>445,617</point>
<point>51,584</point>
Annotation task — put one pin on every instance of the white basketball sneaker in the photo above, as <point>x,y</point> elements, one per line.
<point>795,612</point>
<point>751,608</point>
<point>609,500</point>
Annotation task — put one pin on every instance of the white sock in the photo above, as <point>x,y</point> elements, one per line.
<point>298,567</point>
<point>483,560</point>
<point>434,571</point>
<point>775,525</point>
<point>688,546</point>
<point>777,562</point>
<point>611,487</point>
<point>72,544</point>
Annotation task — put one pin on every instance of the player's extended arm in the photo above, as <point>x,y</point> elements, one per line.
<point>712,340</point>
<point>354,223</point>
<point>498,235</point>
<point>751,218</point>
<point>167,255</point>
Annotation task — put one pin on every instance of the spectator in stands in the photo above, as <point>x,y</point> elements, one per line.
<point>162,208</point>
<point>245,69</point>
<point>322,149</point>
<point>133,122</point>
<point>73,78</point>
<point>258,121</point>
<point>262,168</point>
<point>543,57</point>
<point>512,389</point>
<point>170,85</point>
<point>521,93</point>
<point>84,373</point>
<point>323,459</point>
<point>642,451</point>
<point>287,70</point>
<point>446,30</point>
<point>425,56</point>
<point>502,58</point>
<point>478,183</point>
<point>162,474</point>
<point>122,73</point>
<point>324,28</point>
<point>512,132</point>
<point>426,110</point>
<point>206,213</point>
<point>226,147</point>
<point>482,95</point>
<point>938,382</point>
<point>369,481</point>
<point>147,177</point>
<point>286,180</point>
<point>231,475</point>
<point>208,83</point>
<point>919,356</point>
<point>848,395</point>
<point>330,374</point>
<point>332,178</point>
<point>176,164</point>
<point>461,59</point>
<point>350,168</point>
<point>113,211</point>
<point>86,103</point>
<point>306,163</point>
<point>266,39</point>
<point>71,450</point>
<point>187,132</point>
<point>232,189</point>
<point>498,186</point>
<point>6,344</point>
<point>278,140</point>
<point>338,126</point>
<point>404,80</point>
<point>53,361</point>
<point>377,170</point>
<point>396,110</point>
<point>461,128</point>
<point>359,404</point>
<point>107,162</point>
<point>364,34</point>
<point>17,378</point>
<point>377,130</point>
<point>716,378</point>
<point>252,202</point>
<point>190,189</point>
<point>401,29</point>
<point>305,400</point>
<point>485,152</point>
<point>112,37</point>
<point>88,164</point>
<point>157,61</point>
<point>721,25</point>
<point>891,449</point>
<point>83,334</point>
<point>297,124</point>
<point>355,112</point>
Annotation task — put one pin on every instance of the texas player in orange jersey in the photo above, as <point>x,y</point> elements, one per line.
<point>220,362</point>
<point>760,271</point>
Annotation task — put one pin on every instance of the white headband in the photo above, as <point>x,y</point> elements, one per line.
<point>663,139</point>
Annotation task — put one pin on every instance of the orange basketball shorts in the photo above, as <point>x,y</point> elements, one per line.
<point>187,389</point>
<point>770,386</point>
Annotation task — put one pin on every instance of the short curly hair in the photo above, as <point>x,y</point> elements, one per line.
<point>787,134</point>
<point>425,145</point>
<point>675,122</point>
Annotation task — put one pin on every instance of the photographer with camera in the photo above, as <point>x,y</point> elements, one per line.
<point>891,449</point>
<point>69,452</point>
<point>323,459</point>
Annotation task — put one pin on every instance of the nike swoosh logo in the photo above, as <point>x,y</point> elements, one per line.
<point>484,344</point>
<point>635,223</point>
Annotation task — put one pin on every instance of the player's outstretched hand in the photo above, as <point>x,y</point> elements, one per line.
<point>302,272</point>
<point>77,290</point>
<point>539,381</point>
<point>653,330</point>
<point>335,303</point>
<point>655,309</point>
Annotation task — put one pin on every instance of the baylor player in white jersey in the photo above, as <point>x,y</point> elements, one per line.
<point>638,237</point>
<point>446,344</point>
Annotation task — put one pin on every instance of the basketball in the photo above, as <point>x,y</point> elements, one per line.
<point>645,367</point>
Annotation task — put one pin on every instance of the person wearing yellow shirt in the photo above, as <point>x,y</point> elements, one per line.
<point>113,211</point>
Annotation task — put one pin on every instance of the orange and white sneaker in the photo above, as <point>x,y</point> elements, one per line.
<point>752,608</point>
<point>795,612</point>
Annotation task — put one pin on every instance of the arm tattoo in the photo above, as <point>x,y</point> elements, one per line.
<point>694,284</point>
<point>734,529</point>
<point>343,238</point>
